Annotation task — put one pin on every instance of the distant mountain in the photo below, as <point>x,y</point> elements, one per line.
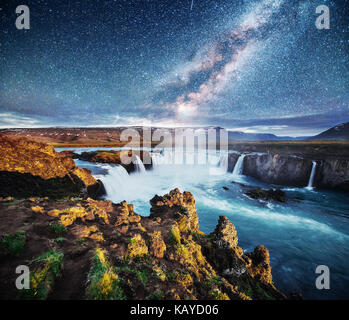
<point>339,132</point>
<point>242,136</point>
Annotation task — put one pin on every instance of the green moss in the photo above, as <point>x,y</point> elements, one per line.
<point>143,276</point>
<point>254,290</point>
<point>175,235</point>
<point>58,228</point>
<point>172,276</point>
<point>157,295</point>
<point>59,240</point>
<point>217,281</point>
<point>136,248</point>
<point>183,210</point>
<point>44,275</point>
<point>12,244</point>
<point>104,283</point>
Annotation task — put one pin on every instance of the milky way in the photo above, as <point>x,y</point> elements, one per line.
<point>252,65</point>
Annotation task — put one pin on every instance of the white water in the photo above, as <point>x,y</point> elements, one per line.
<point>239,166</point>
<point>114,180</point>
<point>139,166</point>
<point>166,175</point>
<point>224,161</point>
<point>312,175</point>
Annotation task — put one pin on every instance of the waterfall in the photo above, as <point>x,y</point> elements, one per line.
<point>223,161</point>
<point>239,166</point>
<point>312,176</point>
<point>139,166</point>
<point>114,180</point>
<point>158,159</point>
<point>165,157</point>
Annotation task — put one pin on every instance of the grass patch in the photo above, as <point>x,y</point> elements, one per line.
<point>42,278</point>
<point>143,276</point>
<point>157,295</point>
<point>12,244</point>
<point>172,276</point>
<point>175,235</point>
<point>58,228</point>
<point>104,282</point>
<point>59,240</point>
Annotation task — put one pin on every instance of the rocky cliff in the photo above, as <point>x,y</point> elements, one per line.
<point>88,249</point>
<point>29,168</point>
<point>125,158</point>
<point>287,170</point>
<point>333,174</point>
<point>278,169</point>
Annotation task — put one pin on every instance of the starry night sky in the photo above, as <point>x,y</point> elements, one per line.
<point>256,66</point>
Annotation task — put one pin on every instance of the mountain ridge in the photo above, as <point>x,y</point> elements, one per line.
<point>338,132</point>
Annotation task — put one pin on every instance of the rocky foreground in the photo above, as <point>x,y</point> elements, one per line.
<point>89,249</point>
<point>77,247</point>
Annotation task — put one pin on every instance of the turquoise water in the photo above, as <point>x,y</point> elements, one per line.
<point>310,229</point>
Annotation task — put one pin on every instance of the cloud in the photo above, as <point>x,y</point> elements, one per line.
<point>13,120</point>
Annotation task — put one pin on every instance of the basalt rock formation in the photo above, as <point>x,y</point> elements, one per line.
<point>333,174</point>
<point>29,168</point>
<point>287,170</point>
<point>88,249</point>
<point>125,158</point>
<point>278,169</point>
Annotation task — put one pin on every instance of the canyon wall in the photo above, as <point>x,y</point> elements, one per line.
<point>295,171</point>
<point>278,169</point>
<point>333,174</point>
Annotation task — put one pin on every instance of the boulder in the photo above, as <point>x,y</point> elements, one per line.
<point>271,194</point>
<point>225,235</point>
<point>258,264</point>
<point>178,206</point>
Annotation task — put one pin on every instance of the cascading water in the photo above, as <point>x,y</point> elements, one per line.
<point>223,162</point>
<point>163,158</point>
<point>239,166</point>
<point>116,177</point>
<point>139,166</point>
<point>312,176</point>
